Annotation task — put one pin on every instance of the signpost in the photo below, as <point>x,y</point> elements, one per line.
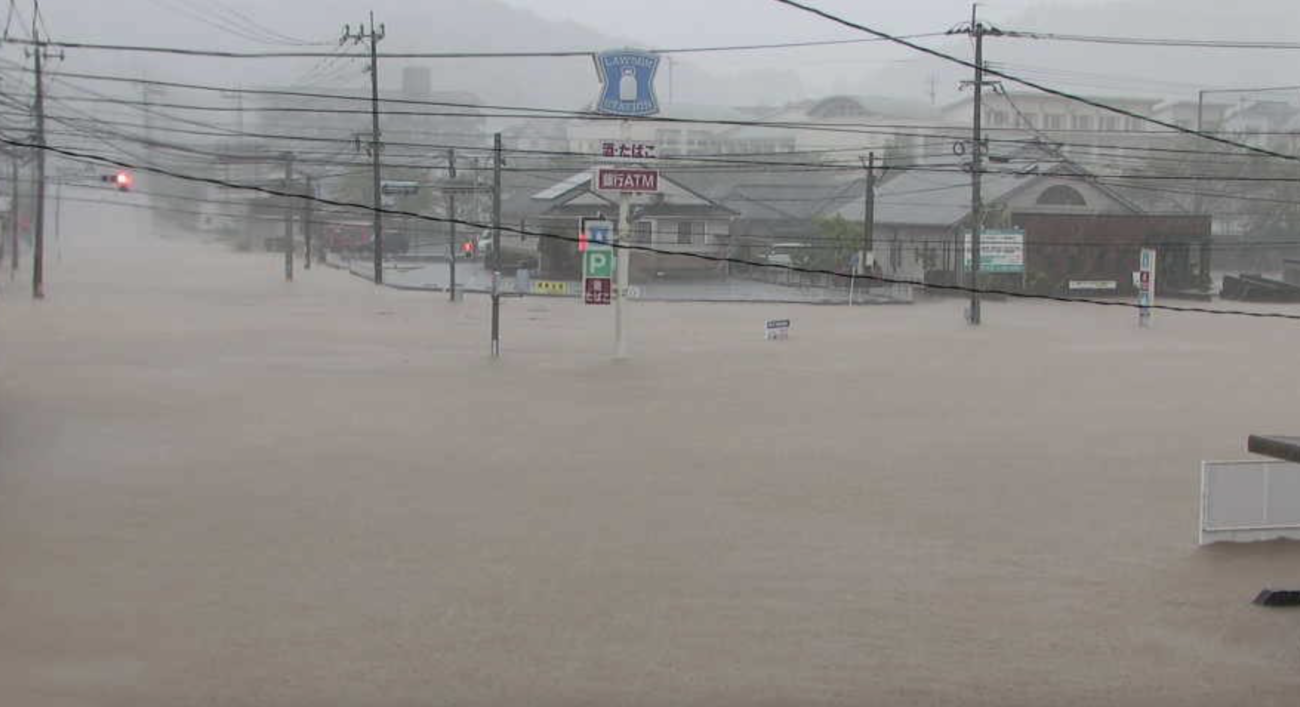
<point>627,180</point>
<point>598,263</point>
<point>395,188</point>
<point>595,232</point>
<point>627,89</point>
<point>1146,285</point>
<point>776,329</point>
<point>597,290</point>
<point>627,83</point>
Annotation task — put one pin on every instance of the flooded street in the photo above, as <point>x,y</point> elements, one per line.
<point>217,488</point>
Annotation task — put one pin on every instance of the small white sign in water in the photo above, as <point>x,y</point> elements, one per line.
<point>776,329</point>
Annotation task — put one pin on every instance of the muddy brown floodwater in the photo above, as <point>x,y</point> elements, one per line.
<point>220,489</point>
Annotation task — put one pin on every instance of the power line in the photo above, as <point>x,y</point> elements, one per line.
<point>890,129</point>
<point>644,248</point>
<point>582,53</point>
<point>1032,84</point>
<point>1152,41</point>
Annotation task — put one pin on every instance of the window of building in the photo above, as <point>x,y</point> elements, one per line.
<point>1081,122</point>
<point>1053,121</point>
<point>1133,124</point>
<point>686,231</point>
<point>1061,195</point>
<point>642,231</point>
<point>1031,119</point>
<point>1109,123</point>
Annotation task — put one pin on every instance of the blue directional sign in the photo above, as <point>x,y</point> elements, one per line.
<point>627,79</point>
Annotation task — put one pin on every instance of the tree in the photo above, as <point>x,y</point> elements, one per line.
<point>833,246</point>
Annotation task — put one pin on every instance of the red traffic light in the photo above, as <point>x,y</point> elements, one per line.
<point>123,180</point>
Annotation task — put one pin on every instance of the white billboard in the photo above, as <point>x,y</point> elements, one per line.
<point>1000,251</point>
<point>1243,501</point>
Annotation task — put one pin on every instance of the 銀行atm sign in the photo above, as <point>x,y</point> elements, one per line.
<point>627,180</point>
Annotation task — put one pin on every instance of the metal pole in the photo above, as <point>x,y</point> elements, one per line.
<point>496,245</point>
<point>374,150</point>
<point>288,218</point>
<point>976,164</point>
<point>38,243</point>
<point>624,259</point>
<point>452,245</point>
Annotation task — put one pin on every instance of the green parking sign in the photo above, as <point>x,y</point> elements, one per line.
<point>598,263</point>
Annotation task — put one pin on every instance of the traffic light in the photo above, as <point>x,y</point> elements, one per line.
<point>123,180</point>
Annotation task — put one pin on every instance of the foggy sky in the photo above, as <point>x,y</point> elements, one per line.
<point>769,77</point>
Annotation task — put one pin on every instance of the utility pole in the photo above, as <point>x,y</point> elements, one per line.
<point>13,217</point>
<point>976,166</point>
<point>288,217</point>
<point>310,191</point>
<point>38,239</point>
<point>373,36</point>
<point>452,246</point>
<point>867,252</point>
<point>496,246</point>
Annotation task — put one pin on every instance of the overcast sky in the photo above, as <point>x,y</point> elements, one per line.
<point>730,21</point>
<point>769,77</point>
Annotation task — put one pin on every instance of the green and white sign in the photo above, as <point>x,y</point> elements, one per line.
<point>598,263</point>
<point>1000,251</point>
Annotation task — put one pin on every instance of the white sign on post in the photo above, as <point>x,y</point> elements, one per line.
<point>776,329</point>
<point>1146,285</point>
<point>1000,251</point>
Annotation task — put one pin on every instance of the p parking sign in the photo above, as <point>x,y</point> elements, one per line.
<point>598,263</point>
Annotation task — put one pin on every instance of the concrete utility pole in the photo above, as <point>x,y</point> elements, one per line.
<point>452,245</point>
<point>38,239</point>
<point>977,31</point>
<point>288,217</point>
<point>373,36</point>
<point>310,190</point>
<point>13,217</point>
<point>867,251</point>
<point>496,245</point>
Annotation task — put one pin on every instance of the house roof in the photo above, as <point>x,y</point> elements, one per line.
<point>776,194</point>
<point>941,196</point>
<point>574,193</point>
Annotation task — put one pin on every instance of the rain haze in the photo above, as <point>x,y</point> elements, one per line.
<point>552,352</point>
